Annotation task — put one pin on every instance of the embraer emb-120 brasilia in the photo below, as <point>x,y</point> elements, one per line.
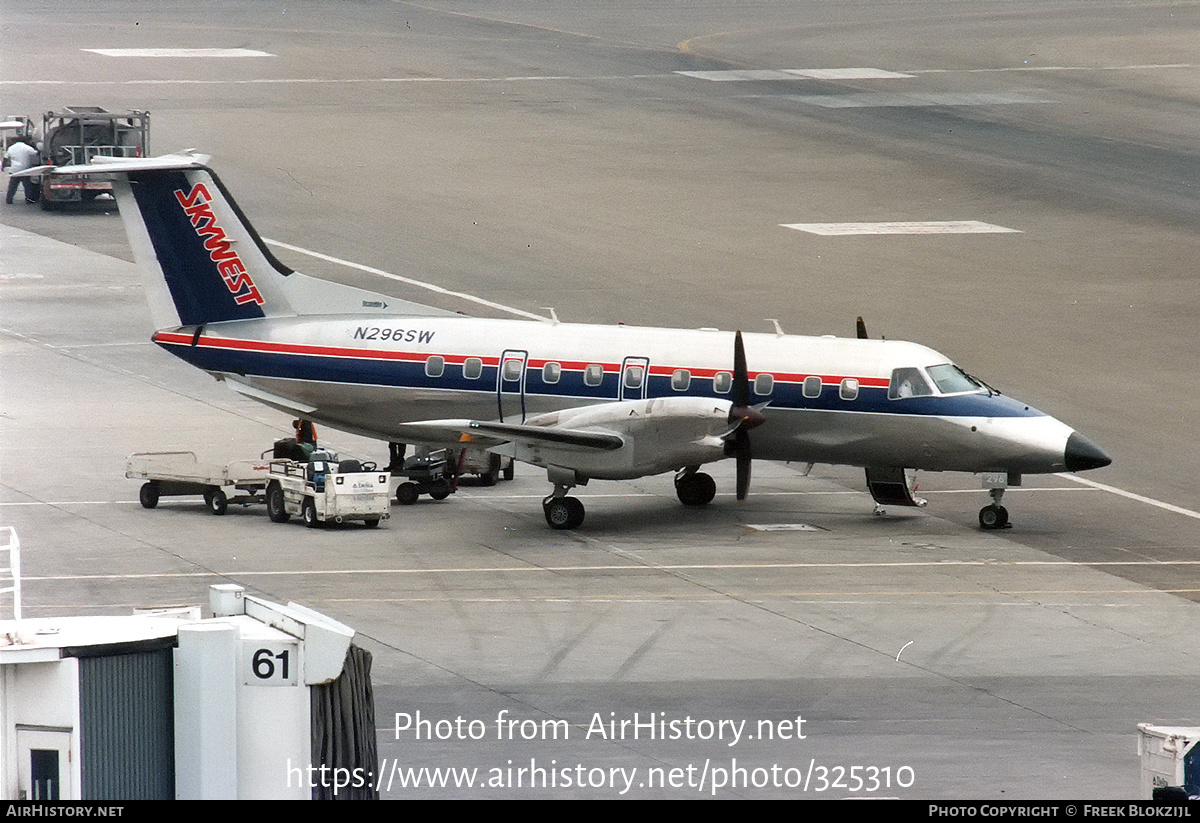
<point>581,401</point>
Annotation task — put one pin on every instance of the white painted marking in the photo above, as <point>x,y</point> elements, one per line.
<point>744,75</point>
<point>408,280</point>
<point>921,227</point>
<point>1131,496</point>
<point>738,75</point>
<point>903,100</point>
<point>632,566</point>
<point>782,527</point>
<point>902,648</point>
<point>180,52</point>
<point>848,74</point>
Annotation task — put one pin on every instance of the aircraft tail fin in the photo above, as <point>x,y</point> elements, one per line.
<point>202,260</point>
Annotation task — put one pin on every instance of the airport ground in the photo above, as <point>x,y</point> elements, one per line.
<point>537,154</point>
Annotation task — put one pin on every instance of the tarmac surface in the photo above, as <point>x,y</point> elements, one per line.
<point>537,155</point>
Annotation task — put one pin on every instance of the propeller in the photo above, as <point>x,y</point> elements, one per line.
<point>861,328</point>
<point>746,416</point>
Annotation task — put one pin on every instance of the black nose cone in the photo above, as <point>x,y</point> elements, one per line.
<point>1082,454</point>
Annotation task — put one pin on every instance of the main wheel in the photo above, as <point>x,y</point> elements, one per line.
<point>564,513</point>
<point>507,471</point>
<point>696,489</point>
<point>275,508</point>
<point>993,517</point>
<point>489,477</point>
<point>407,494</point>
<point>309,513</point>
<point>148,494</point>
<point>216,500</point>
<point>440,490</point>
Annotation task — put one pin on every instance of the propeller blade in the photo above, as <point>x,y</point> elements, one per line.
<point>742,456</point>
<point>741,376</point>
<point>861,328</point>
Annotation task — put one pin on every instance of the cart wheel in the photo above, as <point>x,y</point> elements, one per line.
<point>371,522</point>
<point>275,508</point>
<point>216,500</point>
<point>441,489</point>
<point>309,512</point>
<point>148,494</point>
<point>407,494</point>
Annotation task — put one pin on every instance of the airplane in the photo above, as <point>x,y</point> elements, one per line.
<point>581,401</point>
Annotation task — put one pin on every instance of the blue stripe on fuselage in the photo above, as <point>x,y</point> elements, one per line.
<point>571,388</point>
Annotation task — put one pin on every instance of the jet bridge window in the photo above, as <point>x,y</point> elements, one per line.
<point>551,372</point>
<point>681,379</point>
<point>722,382</point>
<point>812,387</point>
<point>849,389</point>
<point>472,368</point>
<point>764,384</point>
<point>908,382</point>
<point>435,365</point>
<point>633,377</point>
<point>593,375</point>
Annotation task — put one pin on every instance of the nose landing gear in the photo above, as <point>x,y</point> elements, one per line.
<point>994,516</point>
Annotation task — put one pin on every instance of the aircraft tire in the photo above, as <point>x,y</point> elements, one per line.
<point>275,508</point>
<point>564,513</point>
<point>993,517</point>
<point>216,501</point>
<point>507,471</point>
<point>371,522</point>
<point>308,512</point>
<point>407,494</point>
<point>696,489</point>
<point>148,494</point>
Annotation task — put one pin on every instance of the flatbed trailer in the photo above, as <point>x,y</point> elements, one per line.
<point>180,473</point>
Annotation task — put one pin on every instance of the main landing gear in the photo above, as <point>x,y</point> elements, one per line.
<point>694,488</point>
<point>563,512</point>
<point>994,516</point>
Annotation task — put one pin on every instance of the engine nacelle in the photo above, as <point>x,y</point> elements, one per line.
<point>657,435</point>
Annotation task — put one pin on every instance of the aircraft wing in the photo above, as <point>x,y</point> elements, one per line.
<point>619,440</point>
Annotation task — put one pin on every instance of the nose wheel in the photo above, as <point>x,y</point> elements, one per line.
<point>994,516</point>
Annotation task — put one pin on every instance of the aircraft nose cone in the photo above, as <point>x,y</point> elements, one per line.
<point>1082,454</point>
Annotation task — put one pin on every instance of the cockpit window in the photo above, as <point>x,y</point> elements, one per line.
<point>950,379</point>
<point>908,382</point>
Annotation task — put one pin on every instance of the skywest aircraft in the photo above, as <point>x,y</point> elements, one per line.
<point>580,401</point>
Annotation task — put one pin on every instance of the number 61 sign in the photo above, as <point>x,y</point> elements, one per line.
<point>269,664</point>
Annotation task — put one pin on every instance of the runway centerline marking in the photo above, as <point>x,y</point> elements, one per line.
<point>902,227</point>
<point>180,52</point>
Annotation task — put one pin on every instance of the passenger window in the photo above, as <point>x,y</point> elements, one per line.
<point>513,369</point>
<point>472,368</point>
<point>681,379</point>
<point>812,387</point>
<point>593,375</point>
<point>722,382</point>
<point>849,389</point>
<point>435,365</point>
<point>633,377</point>
<point>908,382</point>
<point>551,372</point>
<point>764,384</point>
